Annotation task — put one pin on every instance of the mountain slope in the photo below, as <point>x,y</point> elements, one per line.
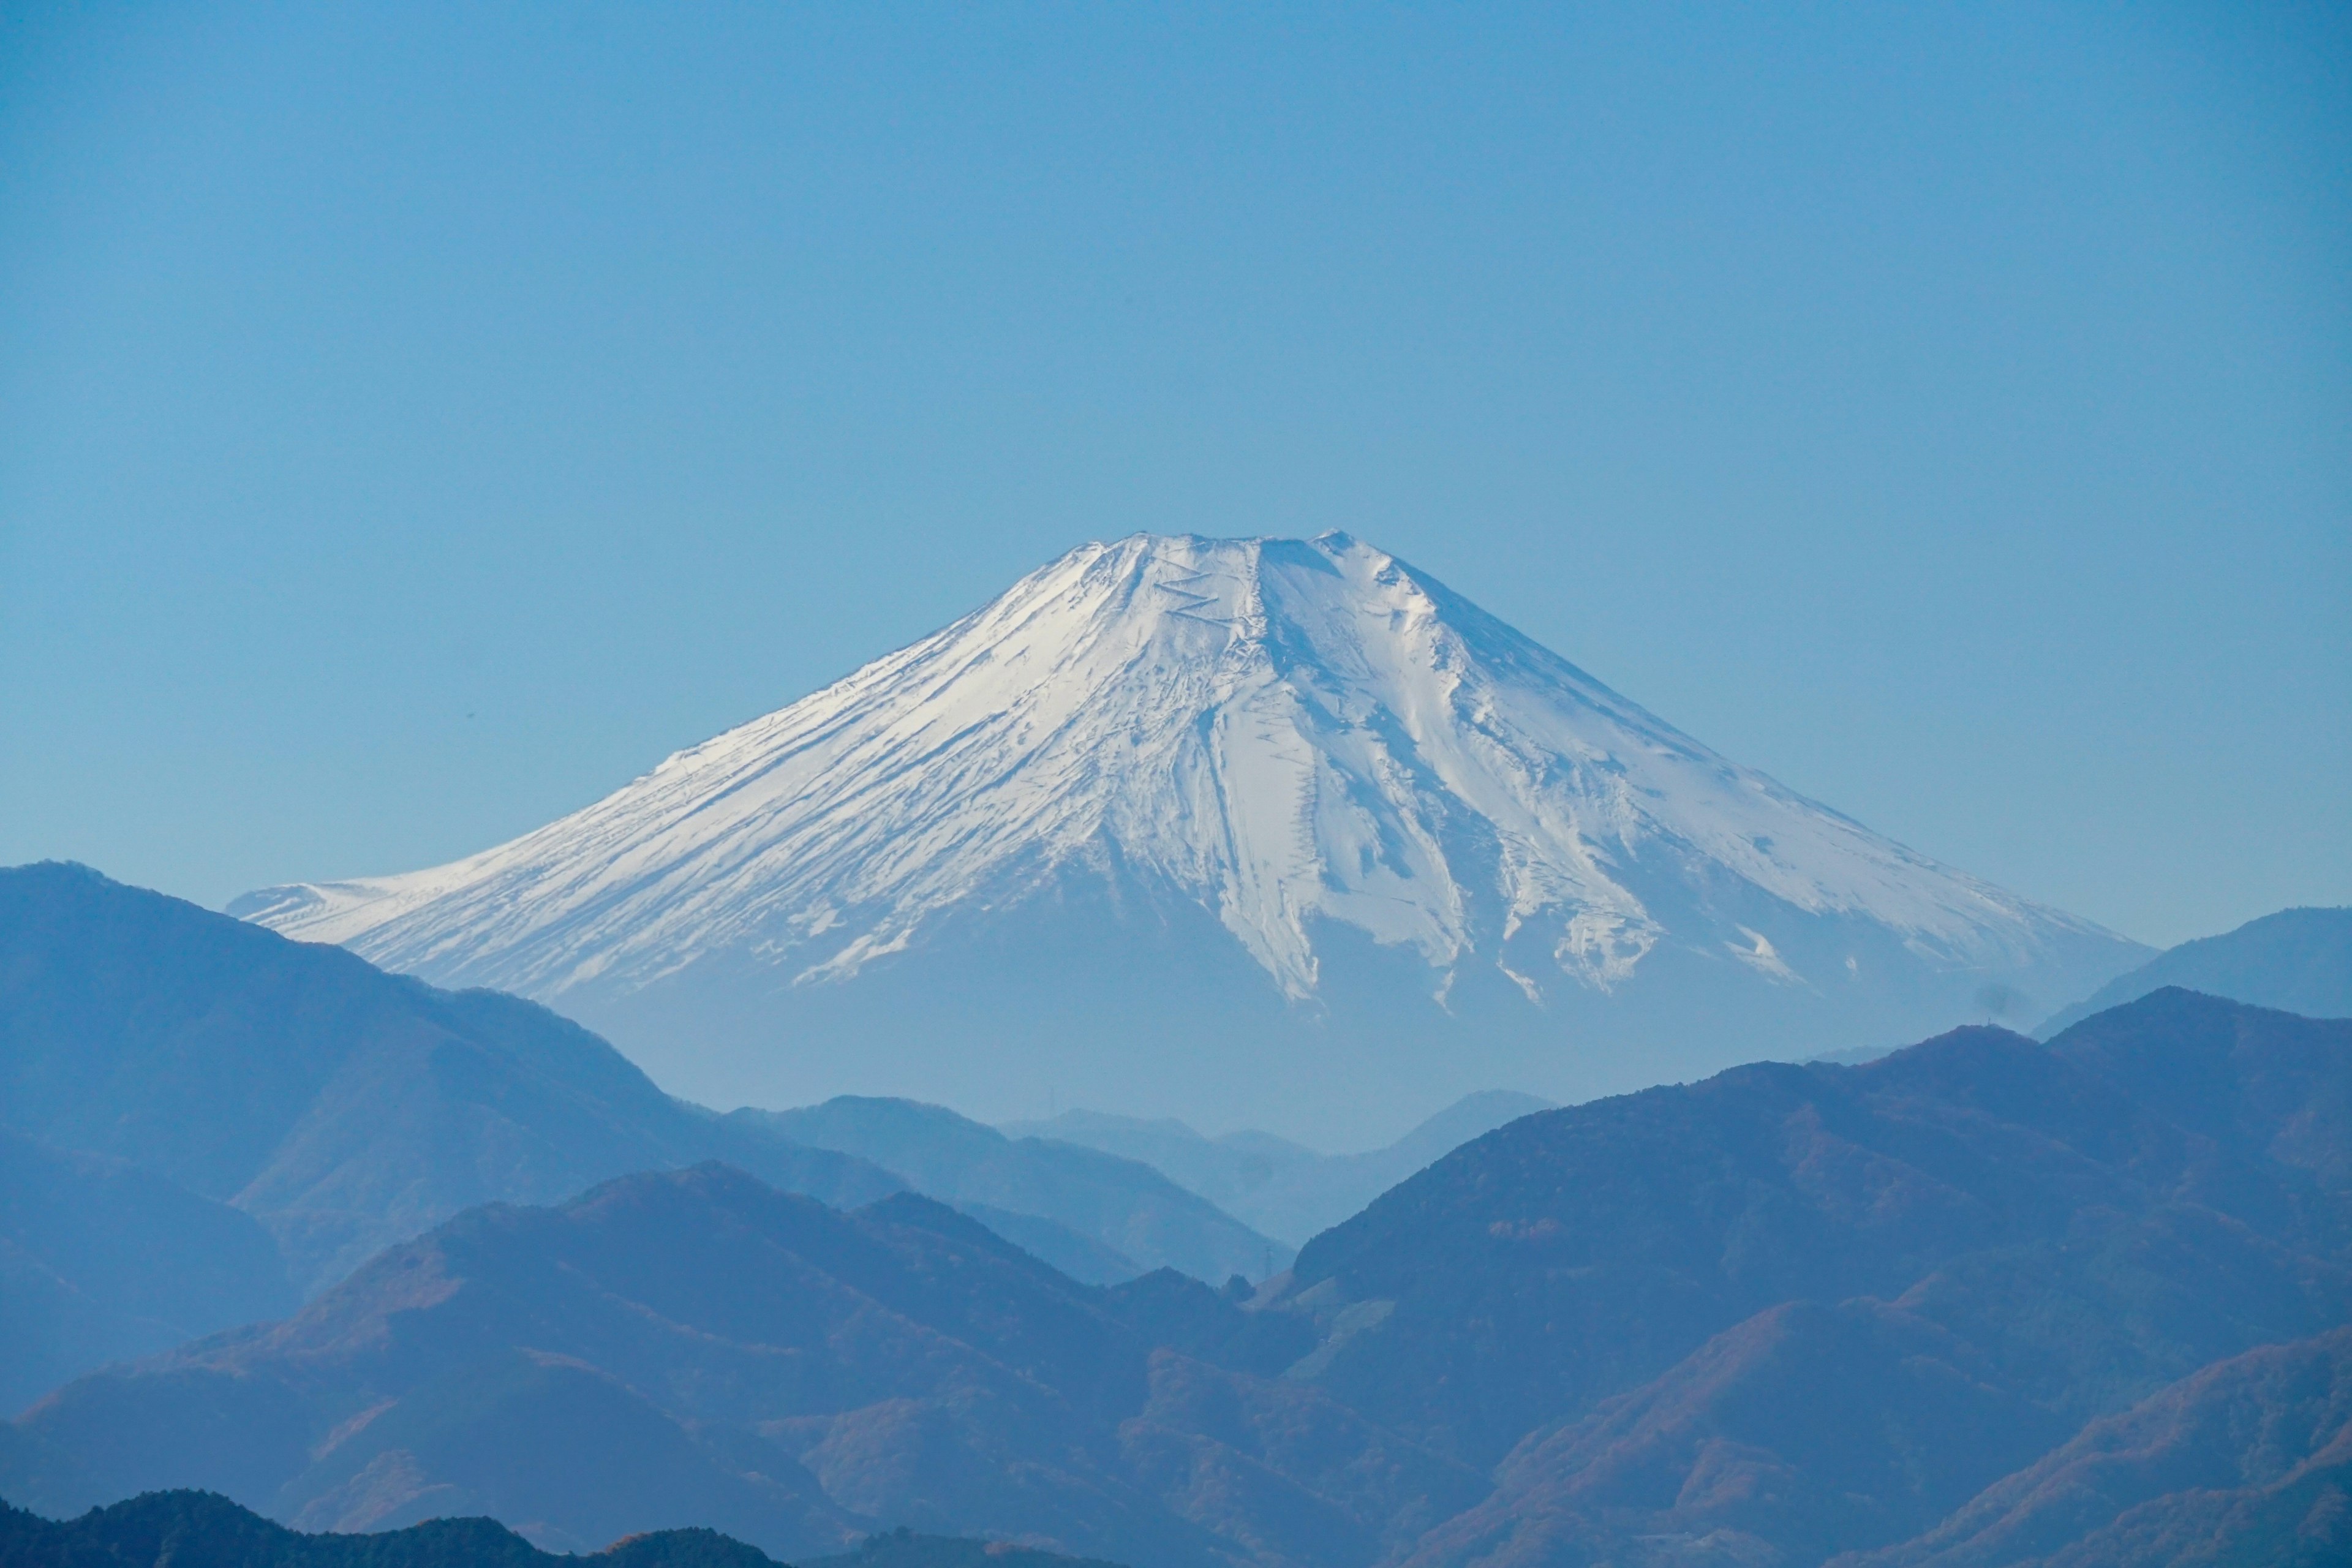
<point>1274,815</point>
<point>2248,1461</point>
<point>1795,1311</point>
<point>693,1347</point>
<point>1285,1189</point>
<point>1788,1313</point>
<point>2297,961</point>
<point>1122,1205</point>
<point>102,1261</point>
<point>1781,1438</point>
<point>342,1106</point>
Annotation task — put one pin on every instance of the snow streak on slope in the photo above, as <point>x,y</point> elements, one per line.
<point>1287,733</point>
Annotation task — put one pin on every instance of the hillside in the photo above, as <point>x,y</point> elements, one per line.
<point>342,1106</point>
<point>905,1549</point>
<point>1289,1191</point>
<point>194,1113</point>
<point>102,1261</point>
<point>695,1347</point>
<point>2297,961</point>
<point>2248,1461</point>
<point>1137,1218</point>
<point>1963,1250</point>
<point>1780,1315</point>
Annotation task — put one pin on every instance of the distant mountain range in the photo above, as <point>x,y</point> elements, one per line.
<point>683,1347</point>
<point>101,1260</point>
<point>1284,1188</point>
<point>1982,1302</point>
<point>342,1106</point>
<point>202,1122</point>
<point>2298,961</point>
<point>1802,1310</point>
<point>1108,1212</point>
<point>1222,830</point>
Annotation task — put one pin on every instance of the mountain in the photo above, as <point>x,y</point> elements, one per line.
<point>2182,1160</point>
<point>1786,1436</point>
<point>102,1261</point>
<point>1137,1218</point>
<point>1978,1294</point>
<point>1228,1170</point>
<point>341,1107</point>
<point>1796,1311</point>
<point>2298,961</point>
<point>694,1347</point>
<point>2248,1461</point>
<point>194,1109</point>
<point>200,1530</point>
<point>1223,829</point>
<point>1285,1189</point>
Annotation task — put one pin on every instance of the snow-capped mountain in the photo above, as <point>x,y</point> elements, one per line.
<point>1185,824</point>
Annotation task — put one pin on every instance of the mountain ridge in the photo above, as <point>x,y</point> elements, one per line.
<point>1126,1205</point>
<point>1960,1299</point>
<point>1289,1191</point>
<point>2296,959</point>
<point>342,1107</point>
<point>691,1346</point>
<point>1303,775</point>
<point>102,1261</point>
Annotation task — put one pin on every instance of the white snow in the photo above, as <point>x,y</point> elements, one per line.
<point>1286,732</point>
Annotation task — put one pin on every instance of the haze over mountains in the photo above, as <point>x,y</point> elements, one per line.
<point>1285,1189</point>
<point>2299,960</point>
<point>201,1122</point>
<point>341,1107</point>
<point>1124,1207</point>
<point>1982,1302</point>
<point>358,1251</point>
<point>1230,830</point>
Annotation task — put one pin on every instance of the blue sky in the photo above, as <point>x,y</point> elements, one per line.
<point>414,421</point>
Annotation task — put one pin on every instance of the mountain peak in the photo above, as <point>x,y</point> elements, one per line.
<point>1306,740</point>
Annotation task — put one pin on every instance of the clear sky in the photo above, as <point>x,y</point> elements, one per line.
<point>416,420</point>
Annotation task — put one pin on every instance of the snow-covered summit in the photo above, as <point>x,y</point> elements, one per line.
<point>1297,738</point>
